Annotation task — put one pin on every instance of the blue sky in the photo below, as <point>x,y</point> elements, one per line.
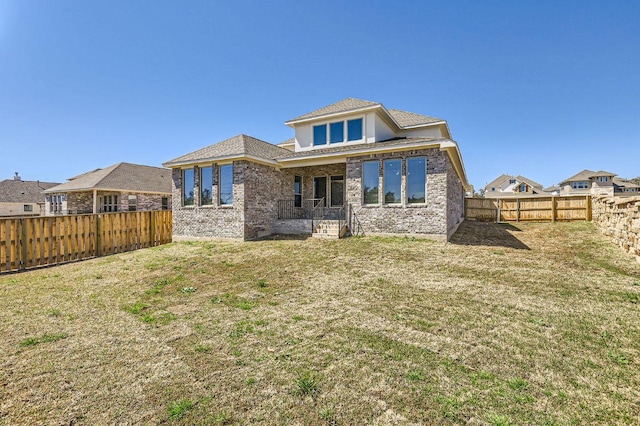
<point>543,89</point>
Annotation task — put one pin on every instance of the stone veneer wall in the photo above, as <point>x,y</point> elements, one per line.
<point>80,202</point>
<point>619,219</point>
<point>455,200</point>
<point>428,220</point>
<point>263,187</point>
<point>209,221</point>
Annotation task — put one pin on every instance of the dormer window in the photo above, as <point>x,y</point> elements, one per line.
<point>512,181</point>
<point>320,135</point>
<point>354,129</point>
<point>335,132</point>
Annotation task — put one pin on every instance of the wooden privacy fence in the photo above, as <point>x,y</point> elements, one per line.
<point>535,209</point>
<point>38,241</point>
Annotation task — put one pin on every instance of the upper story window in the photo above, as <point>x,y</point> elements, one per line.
<point>523,187</point>
<point>188,187</point>
<point>354,129</point>
<point>512,181</point>
<point>603,178</point>
<point>320,135</point>
<point>335,132</point>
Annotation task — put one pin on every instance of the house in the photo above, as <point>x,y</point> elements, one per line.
<point>120,187</point>
<point>625,187</point>
<point>22,197</point>
<point>513,186</point>
<point>381,170</point>
<point>588,182</point>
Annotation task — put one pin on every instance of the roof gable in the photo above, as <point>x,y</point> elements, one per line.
<point>498,181</point>
<point>528,181</point>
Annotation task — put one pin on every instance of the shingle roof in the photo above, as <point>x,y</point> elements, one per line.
<point>583,175</point>
<point>409,119</point>
<point>23,191</point>
<point>356,147</point>
<point>121,176</point>
<point>236,146</point>
<point>625,183</point>
<point>602,173</point>
<point>340,106</point>
<point>533,183</point>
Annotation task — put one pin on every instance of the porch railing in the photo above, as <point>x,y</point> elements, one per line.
<point>308,209</point>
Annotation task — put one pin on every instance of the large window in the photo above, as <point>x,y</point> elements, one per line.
<point>206,186</point>
<point>188,187</point>
<point>297,191</point>
<point>580,185</point>
<point>416,180</point>
<point>320,135</point>
<point>393,181</point>
<point>370,181</point>
<point>336,132</point>
<point>337,191</point>
<point>354,129</point>
<point>226,185</point>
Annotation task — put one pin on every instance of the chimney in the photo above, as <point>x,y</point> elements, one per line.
<point>17,177</point>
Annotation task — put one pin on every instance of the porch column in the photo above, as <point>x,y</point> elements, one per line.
<point>95,201</point>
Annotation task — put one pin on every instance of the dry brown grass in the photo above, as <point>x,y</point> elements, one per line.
<point>525,324</point>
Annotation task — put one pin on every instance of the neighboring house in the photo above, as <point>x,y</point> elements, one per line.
<point>120,187</point>
<point>513,186</point>
<point>22,197</point>
<point>386,171</point>
<point>625,187</point>
<point>588,182</point>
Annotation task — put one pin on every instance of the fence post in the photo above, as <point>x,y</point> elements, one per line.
<point>589,213</point>
<point>517,209</point>
<point>152,230</point>
<point>98,236</point>
<point>554,207</point>
<point>23,247</point>
<point>499,213</point>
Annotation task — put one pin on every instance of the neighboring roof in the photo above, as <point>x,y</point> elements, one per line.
<point>625,183</point>
<point>237,146</point>
<point>587,174</point>
<point>410,119</point>
<point>528,181</point>
<point>344,105</point>
<point>23,191</point>
<point>356,147</point>
<point>602,173</point>
<point>583,175</point>
<point>552,188</point>
<point>498,181</point>
<point>121,176</point>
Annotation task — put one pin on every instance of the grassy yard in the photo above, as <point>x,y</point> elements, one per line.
<point>508,324</point>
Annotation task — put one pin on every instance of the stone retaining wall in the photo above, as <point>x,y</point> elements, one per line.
<point>619,219</point>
